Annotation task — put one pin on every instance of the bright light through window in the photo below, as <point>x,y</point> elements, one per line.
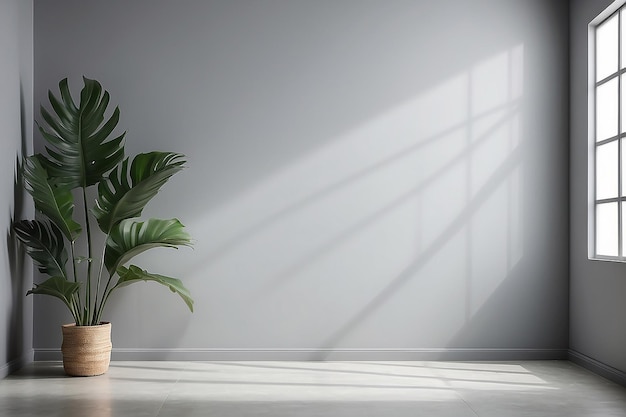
<point>608,81</point>
<point>607,38</point>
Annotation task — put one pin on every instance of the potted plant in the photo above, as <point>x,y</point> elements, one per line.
<point>83,159</point>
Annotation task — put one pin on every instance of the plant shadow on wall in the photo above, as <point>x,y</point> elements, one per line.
<point>448,200</point>
<point>20,273</point>
<point>82,156</point>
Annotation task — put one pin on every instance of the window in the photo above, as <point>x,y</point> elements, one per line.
<point>607,133</point>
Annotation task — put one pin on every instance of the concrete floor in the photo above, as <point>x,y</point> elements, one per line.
<point>302,389</point>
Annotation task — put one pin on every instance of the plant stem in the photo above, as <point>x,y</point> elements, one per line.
<point>77,316</point>
<point>74,308</point>
<point>97,308</point>
<point>105,297</point>
<point>89,259</point>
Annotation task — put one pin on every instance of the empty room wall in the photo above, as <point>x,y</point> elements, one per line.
<point>598,335</point>
<point>367,179</point>
<point>16,113</point>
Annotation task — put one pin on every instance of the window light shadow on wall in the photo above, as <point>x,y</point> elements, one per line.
<point>439,179</point>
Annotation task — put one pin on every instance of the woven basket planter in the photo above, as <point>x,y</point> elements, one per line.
<point>86,349</point>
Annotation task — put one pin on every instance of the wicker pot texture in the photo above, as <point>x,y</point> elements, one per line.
<point>86,349</point>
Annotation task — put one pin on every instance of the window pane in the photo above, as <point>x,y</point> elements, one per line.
<point>606,229</point>
<point>606,48</point>
<point>623,229</point>
<point>623,35</point>
<point>606,170</point>
<point>623,158</point>
<point>622,97</point>
<point>606,110</point>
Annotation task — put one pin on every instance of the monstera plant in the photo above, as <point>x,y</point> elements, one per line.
<point>84,160</point>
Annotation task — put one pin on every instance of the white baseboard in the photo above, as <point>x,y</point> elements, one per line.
<point>182,354</point>
<point>16,364</point>
<point>597,367</point>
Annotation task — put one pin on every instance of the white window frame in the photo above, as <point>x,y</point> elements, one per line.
<point>618,7</point>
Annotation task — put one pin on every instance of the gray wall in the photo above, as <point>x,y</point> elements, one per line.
<point>597,331</point>
<point>380,179</point>
<point>16,115</point>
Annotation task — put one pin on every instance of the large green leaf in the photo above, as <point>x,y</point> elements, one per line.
<point>130,238</point>
<point>55,201</point>
<point>80,153</point>
<point>125,194</point>
<point>135,274</point>
<point>44,243</point>
<point>57,287</point>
